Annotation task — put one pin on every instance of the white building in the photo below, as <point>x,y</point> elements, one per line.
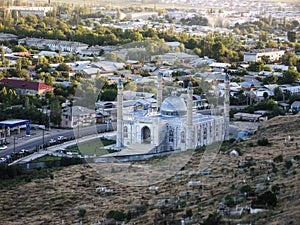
<point>175,126</point>
<point>256,55</point>
<point>63,46</point>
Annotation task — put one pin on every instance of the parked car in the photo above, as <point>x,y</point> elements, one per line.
<point>23,151</point>
<point>3,147</point>
<point>61,138</point>
<point>52,141</point>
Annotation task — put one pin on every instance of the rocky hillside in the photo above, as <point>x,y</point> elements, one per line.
<point>268,165</point>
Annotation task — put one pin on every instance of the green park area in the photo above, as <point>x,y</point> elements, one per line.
<point>93,147</point>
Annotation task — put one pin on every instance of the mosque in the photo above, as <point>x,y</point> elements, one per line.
<point>174,126</point>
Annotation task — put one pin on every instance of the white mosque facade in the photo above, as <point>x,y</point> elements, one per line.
<point>175,126</point>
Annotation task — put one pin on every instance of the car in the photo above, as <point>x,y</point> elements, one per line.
<point>3,159</point>
<point>61,138</point>
<point>24,151</point>
<point>52,141</point>
<point>3,147</point>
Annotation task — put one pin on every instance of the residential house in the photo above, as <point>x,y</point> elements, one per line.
<point>295,106</point>
<point>141,15</point>
<point>8,37</point>
<point>63,46</point>
<point>24,87</point>
<point>24,10</point>
<point>249,117</point>
<point>260,92</point>
<point>173,57</point>
<point>77,116</point>
<point>257,55</point>
<point>293,89</point>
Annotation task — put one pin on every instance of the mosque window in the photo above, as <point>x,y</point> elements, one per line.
<point>205,133</point>
<point>125,130</point>
<point>171,136</point>
<point>182,137</point>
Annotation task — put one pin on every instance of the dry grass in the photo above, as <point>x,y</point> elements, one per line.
<point>47,201</point>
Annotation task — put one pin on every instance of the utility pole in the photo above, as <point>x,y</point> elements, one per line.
<point>43,138</point>
<point>14,144</point>
<point>78,127</point>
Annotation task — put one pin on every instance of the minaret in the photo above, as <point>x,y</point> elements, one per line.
<point>119,114</point>
<point>189,133</point>
<point>159,92</point>
<point>226,107</point>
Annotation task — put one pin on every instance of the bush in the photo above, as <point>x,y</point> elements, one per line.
<point>268,199</point>
<point>278,158</point>
<point>263,142</point>
<point>229,201</point>
<point>116,215</point>
<point>188,213</point>
<point>247,188</point>
<point>81,212</point>
<point>212,219</point>
<point>288,164</point>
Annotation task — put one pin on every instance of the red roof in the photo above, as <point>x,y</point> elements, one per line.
<point>24,84</point>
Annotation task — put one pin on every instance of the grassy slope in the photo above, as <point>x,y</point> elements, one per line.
<point>51,201</point>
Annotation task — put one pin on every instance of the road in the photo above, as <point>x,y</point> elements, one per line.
<point>40,137</point>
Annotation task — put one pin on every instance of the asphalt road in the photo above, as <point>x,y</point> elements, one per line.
<point>40,137</point>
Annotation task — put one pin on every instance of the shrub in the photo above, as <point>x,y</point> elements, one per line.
<point>188,213</point>
<point>81,212</point>
<point>268,198</point>
<point>263,142</point>
<point>278,158</point>
<point>247,188</point>
<point>288,164</point>
<point>212,219</point>
<point>116,215</point>
<point>229,201</point>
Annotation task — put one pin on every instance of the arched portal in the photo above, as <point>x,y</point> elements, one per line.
<point>146,135</point>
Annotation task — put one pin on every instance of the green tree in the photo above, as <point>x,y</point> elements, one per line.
<point>218,50</point>
<point>19,48</point>
<point>63,67</point>
<point>268,199</point>
<point>256,66</point>
<point>278,95</point>
<point>212,219</point>
<point>292,36</point>
<point>290,76</point>
<point>2,55</point>
<point>55,114</point>
<point>108,95</point>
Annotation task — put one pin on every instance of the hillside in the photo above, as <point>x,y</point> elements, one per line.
<point>71,195</point>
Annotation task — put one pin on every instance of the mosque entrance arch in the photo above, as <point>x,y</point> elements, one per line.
<point>146,135</point>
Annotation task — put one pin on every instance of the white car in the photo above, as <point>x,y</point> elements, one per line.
<point>61,138</point>
<point>3,147</point>
<point>52,141</point>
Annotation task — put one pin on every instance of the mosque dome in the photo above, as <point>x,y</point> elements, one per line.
<point>173,106</point>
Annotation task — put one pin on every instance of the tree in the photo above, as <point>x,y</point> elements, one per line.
<point>292,36</point>
<point>268,199</point>
<point>218,50</point>
<point>55,115</point>
<point>19,48</point>
<point>108,95</point>
<point>278,95</point>
<point>63,67</point>
<point>2,55</point>
<point>290,76</point>
<point>256,66</point>
<point>265,95</point>
<point>212,219</point>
